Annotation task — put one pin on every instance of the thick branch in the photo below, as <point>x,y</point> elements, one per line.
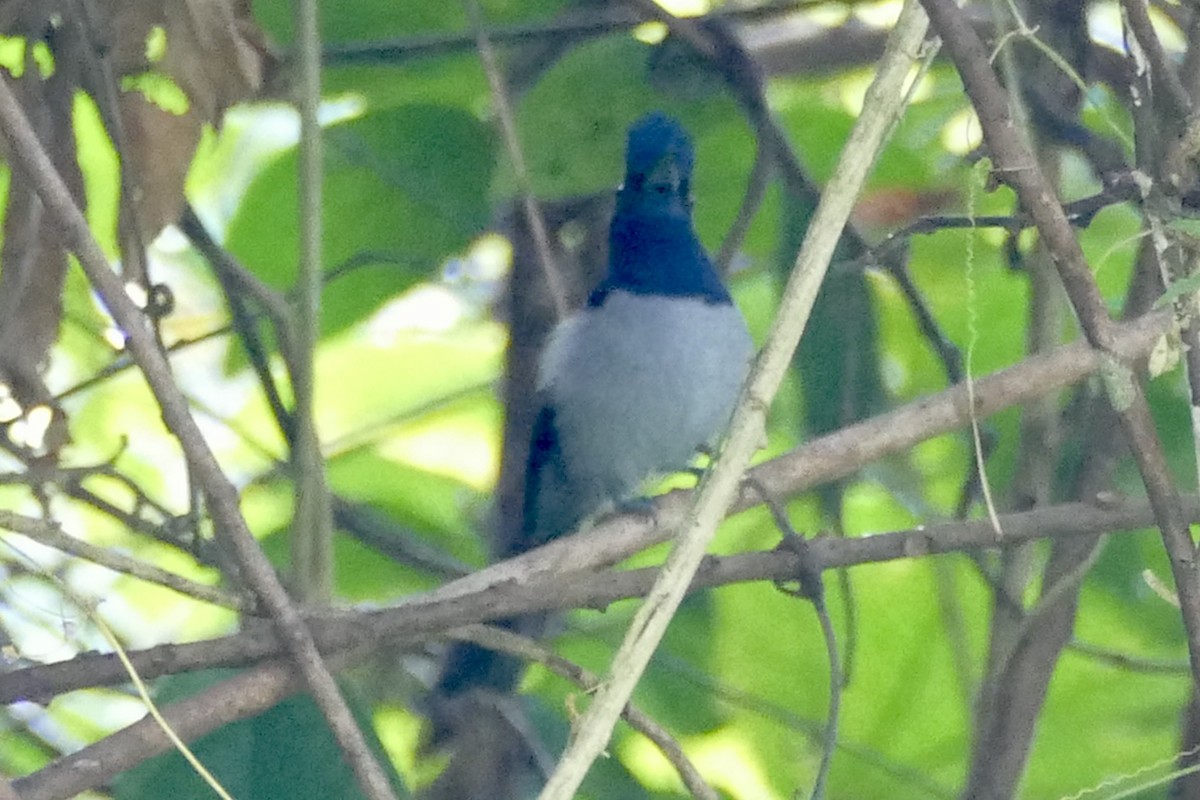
<point>93,766</point>
<point>422,619</point>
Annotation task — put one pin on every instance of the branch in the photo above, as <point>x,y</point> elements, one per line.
<point>422,619</point>
<point>237,698</point>
<point>512,143</point>
<point>311,535</point>
<point>883,104</point>
<point>223,499</point>
<point>236,282</point>
<point>1122,188</point>
<point>51,535</point>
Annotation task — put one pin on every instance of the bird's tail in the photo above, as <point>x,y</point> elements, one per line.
<point>467,666</point>
<point>480,723</point>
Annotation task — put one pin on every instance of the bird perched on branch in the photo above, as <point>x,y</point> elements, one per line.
<point>632,385</point>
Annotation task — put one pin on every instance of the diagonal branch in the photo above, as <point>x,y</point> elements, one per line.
<point>51,535</point>
<point>93,766</point>
<point>223,498</point>
<point>507,123</point>
<point>883,104</point>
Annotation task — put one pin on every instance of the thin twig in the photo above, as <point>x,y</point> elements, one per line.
<point>1079,213</point>
<point>835,702</point>
<point>512,142</point>
<point>227,266</point>
<point>163,527</point>
<point>50,535</point>
<point>1130,663</point>
<point>756,190</point>
<point>812,589</point>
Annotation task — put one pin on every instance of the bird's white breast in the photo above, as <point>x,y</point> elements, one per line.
<point>639,383</point>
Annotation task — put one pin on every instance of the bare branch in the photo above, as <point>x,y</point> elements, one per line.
<point>237,698</point>
<point>512,143</point>
<point>52,536</point>
<point>426,617</point>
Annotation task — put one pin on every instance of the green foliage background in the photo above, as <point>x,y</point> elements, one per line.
<point>406,366</point>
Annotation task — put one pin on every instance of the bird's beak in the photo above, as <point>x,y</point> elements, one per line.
<point>666,173</point>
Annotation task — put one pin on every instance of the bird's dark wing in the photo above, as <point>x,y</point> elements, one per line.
<point>545,457</point>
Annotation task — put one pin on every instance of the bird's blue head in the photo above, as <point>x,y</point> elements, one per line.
<point>652,246</point>
<point>658,168</point>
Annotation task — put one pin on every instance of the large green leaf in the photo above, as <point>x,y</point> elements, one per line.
<point>404,189</point>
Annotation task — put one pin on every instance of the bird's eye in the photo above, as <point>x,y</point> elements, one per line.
<point>661,188</point>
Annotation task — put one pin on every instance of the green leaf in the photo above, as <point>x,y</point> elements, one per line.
<point>569,154</point>
<point>285,752</point>
<point>404,189</point>
<point>374,20</point>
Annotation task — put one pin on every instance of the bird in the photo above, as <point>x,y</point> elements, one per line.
<point>648,372</point>
<point>632,385</point>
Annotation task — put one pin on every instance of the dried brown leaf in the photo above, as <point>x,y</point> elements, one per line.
<point>32,260</point>
<point>216,54</point>
<point>159,146</point>
<point>215,51</point>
